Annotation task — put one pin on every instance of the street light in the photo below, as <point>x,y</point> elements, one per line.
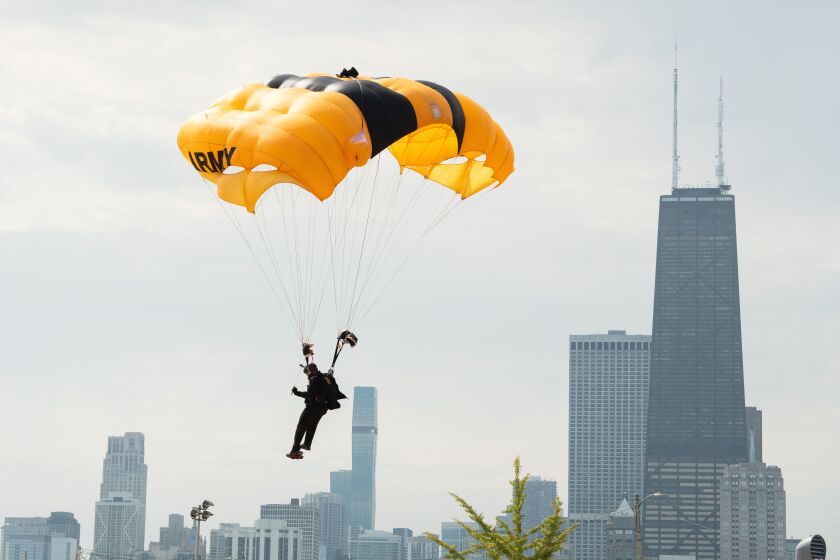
<point>198,514</point>
<point>637,510</point>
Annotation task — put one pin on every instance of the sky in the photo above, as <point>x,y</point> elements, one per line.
<point>130,304</point>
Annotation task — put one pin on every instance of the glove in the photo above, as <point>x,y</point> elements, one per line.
<point>330,371</point>
<point>294,391</point>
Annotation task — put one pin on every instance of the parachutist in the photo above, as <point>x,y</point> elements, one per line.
<point>322,394</point>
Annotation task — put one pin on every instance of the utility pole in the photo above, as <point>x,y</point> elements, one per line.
<point>198,514</point>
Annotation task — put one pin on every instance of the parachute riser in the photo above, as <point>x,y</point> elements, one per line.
<point>345,338</point>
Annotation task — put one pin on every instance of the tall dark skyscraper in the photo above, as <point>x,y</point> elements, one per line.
<point>696,417</point>
<point>362,510</point>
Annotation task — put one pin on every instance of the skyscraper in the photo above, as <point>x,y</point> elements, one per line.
<point>362,506</point>
<point>752,513</point>
<point>696,419</point>
<point>305,517</point>
<point>120,517</point>
<point>608,387</point>
<point>334,525</point>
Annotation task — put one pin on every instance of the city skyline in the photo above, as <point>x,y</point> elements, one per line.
<point>133,305</point>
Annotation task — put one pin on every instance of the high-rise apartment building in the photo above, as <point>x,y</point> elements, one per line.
<point>306,517</point>
<point>334,525</point>
<point>362,506</point>
<point>120,517</point>
<point>608,390</point>
<point>753,420</point>
<point>269,539</point>
<point>696,419</point>
<point>752,513</point>
<point>40,538</point>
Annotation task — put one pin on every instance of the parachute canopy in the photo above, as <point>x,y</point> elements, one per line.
<point>311,131</point>
<point>269,147</point>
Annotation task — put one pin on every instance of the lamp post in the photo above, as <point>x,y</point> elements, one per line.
<point>637,510</point>
<point>198,514</point>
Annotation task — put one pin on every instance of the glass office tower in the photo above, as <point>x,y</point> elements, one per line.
<point>362,510</point>
<point>696,418</point>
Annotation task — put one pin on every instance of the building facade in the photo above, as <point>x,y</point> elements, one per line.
<point>63,523</point>
<point>752,513</point>
<point>368,544</point>
<point>454,535</point>
<point>120,515</point>
<point>421,548</point>
<point>620,534</point>
<point>335,534</point>
<point>540,495</point>
<point>40,538</point>
<point>117,529</point>
<point>608,392</point>
<point>269,539</point>
<point>177,542</point>
<point>305,517</point>
<point>753,420</point>
<point>696,418</point>
<point>362,506</point>
<point>340,484</point>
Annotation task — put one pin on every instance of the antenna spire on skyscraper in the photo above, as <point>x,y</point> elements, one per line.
<point>675,169</point>
<point>720,168</point>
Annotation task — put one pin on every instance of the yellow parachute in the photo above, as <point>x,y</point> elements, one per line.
<point>311,132</point>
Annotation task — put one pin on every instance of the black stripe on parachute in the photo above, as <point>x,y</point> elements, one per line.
<point>459,120</point>
<point>389,115</point>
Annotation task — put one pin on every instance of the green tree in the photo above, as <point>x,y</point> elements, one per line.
<point>508,540</point>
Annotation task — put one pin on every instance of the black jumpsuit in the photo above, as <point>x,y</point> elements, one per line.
<point>316,406</point>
